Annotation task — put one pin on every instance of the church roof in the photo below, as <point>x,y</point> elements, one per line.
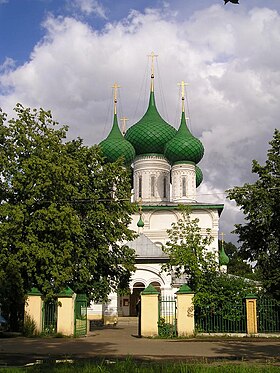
<point>116,146</point>
<point>184,146</point>
<point>151,133</point>
<point>145,248</point>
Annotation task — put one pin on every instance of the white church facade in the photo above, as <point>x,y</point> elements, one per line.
<point>165,175</point>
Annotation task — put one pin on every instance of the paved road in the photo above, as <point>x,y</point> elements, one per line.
<point>121,341</point>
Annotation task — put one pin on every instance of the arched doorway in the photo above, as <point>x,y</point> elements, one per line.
<point>137,288</point>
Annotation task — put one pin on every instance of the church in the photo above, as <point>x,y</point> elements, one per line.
<point>165,175</point>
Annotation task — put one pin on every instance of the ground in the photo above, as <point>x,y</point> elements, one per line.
<point>121,341</point>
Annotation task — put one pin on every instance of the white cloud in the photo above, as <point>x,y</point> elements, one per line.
<point>88,7</point>
<point>230,59</point>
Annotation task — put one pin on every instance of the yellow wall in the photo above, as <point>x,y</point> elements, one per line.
<point>149,315</point>
<point>65,315</point>
<point>185,314</point>
<point>33,308</point>
<point>251,311</point>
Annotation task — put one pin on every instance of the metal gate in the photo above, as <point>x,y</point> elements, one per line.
<point>49,317</point>
<point>167,318</point>
<point>80,315</point>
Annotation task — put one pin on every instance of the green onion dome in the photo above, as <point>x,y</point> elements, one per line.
<point>223,258</point>
<point>116,146</point>
<point>199,176</point>
<point>140,223</point>
<point>184,146</point>
<point>151,133</point>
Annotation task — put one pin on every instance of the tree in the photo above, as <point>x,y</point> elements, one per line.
<point>64,213</point>
<point>260,202</point>
<point>237,265</point>
<point>187,250</point>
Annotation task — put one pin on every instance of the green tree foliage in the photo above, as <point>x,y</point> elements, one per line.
<point>63,212</point>
<point>187,251</point>
<point>237,265</point>
<point>260,202</point>
<point>189,255</point>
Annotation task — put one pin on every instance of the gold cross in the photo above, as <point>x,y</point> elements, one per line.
<point>183,85</point>
<point>152,55</point>
<point>222,234</point>
<point>115,86</point>
<point>124,120</point>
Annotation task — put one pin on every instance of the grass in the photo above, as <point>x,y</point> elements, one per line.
<point>132,366</point>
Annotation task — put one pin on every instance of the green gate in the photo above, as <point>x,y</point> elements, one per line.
<point>80,315</point>
<point>167,319</point>
<point>268,315</point>
<point>223,319</point>
<point>50,317</point>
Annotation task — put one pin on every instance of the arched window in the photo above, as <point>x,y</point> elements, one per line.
<point>165,187</point>
<point>153,181</point>
<point>140,187</point>
<point>184,186</point>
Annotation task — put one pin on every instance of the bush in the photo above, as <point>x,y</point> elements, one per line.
<point>29,328</point>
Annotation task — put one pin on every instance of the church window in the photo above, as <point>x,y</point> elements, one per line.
<point>140,187</point>
<point>164,187</point>
<point>153,180</point>
<point>184,187</point>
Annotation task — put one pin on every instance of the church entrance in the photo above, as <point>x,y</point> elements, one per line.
<point>134,297</point>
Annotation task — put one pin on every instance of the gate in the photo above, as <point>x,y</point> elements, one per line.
<point>80,315</point>
<point>268,315</point>
<point>50,317</point>
<point>223,319</point>
<point>167,320</point>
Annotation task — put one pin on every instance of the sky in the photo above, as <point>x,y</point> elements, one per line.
<point>65,56</point>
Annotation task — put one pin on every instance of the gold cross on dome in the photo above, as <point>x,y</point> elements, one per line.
<point>115,87</point>
<point>124,120</point>
<point>152,55</point>
<point>222,234</point>
<point>183,85</point>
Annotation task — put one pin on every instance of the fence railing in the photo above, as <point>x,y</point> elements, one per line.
<point>221,320</point>
<point>50,317</point>
<point>268,315</point>
<point>167,319</point>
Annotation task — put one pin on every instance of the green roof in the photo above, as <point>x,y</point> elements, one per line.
<point>115,146</point>
<point>184,146</point>
<point>223,258</point>
<point>151,133</point>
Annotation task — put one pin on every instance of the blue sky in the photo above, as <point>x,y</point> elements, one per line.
<point>65,55</point>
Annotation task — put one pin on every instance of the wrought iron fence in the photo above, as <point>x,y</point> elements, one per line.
<point>49,317</point>
<point>167,318</point>
<point>223,319</point>
<point>268,315</point>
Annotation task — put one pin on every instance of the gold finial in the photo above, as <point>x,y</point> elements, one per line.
<point>140,206</point>
<point>222,234</point>
<point>115,86</point>
<point>183,85</point>
<point>124,120</point>
<point>152,55</point>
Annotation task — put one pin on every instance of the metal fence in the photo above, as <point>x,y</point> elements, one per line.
<point>227,319</point>
<point>167,318</point>
<point>49,317</point>
<point>268,315</point>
